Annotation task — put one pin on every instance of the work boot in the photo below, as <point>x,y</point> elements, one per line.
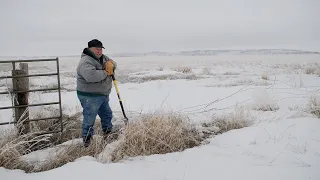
<point>107,131</point>
<point>86,141</point>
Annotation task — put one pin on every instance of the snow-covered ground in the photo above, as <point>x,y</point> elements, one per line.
<point>281,144</point>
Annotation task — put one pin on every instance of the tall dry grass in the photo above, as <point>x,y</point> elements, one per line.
<point>151,134</point>
<point>13,146</point>
<point>156,134</point>
<point>71,152</point>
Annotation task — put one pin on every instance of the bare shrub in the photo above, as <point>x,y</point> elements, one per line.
<point>314,104</point>
<point>156,134</point>
<point>236,120</point>
<point>185,70</point>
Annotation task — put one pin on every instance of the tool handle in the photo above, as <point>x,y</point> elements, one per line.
<point>120,101</point>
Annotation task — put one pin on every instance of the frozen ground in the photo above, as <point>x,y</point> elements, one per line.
<point>281,144</point>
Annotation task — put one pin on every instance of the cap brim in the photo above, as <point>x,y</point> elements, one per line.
<point>99,47</point>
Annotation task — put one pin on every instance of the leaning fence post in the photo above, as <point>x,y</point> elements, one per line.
<point>21,84</point>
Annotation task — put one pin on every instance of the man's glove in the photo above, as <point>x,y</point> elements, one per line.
<point>109,67</point>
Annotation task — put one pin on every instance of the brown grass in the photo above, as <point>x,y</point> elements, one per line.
<point>156,134</point>
<point>152,134</point>
<point>12,147</point>
<point>69,153</point>
<point>185,70</point>
<point>236,120</point>
<point>71,127</point>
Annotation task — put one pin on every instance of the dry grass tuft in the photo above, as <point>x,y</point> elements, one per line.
<point>236,120</point>
<point>185,70</point>
<point>12,147</point>
<point>265,76</point>
<point>264,101</point>
<point>267,107</point>
<point>314,104</point>
<point>69,153</point>
<point>310,70</point>
<point>156,134</point>
<point>152,134</point>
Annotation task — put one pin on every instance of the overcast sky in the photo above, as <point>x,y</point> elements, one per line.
<point>63,27</point>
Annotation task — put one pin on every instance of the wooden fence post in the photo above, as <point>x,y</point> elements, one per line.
<point>21,84</point>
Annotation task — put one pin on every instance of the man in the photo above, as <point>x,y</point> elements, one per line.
<point>94,85</point>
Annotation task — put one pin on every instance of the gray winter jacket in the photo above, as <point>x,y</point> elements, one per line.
<point>92,79</point>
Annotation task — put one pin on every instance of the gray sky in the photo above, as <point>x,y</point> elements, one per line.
<point>63,27</point>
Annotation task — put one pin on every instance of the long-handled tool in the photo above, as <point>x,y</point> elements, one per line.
<point>126,121</point>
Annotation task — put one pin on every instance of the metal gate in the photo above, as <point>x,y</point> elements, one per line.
<point>16,92</point>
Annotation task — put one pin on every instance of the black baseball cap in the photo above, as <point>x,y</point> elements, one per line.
<point>95,43</point>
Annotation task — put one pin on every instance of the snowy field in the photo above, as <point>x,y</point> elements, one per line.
<point>274,90</point>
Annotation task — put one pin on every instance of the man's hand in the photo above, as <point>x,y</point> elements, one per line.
<point>109,67</point>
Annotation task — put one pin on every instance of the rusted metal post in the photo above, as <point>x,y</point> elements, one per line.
<point>21,98</point>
